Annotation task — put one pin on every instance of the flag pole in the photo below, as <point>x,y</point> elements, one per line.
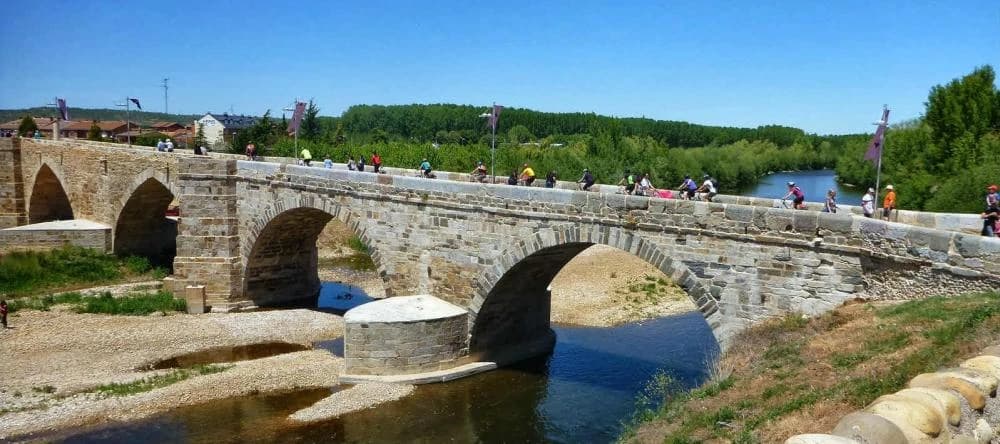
<point>128,121</point>
<point>878,169</point>
<point>493,144</point>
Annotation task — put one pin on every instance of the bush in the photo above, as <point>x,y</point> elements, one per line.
<point>135,304</point>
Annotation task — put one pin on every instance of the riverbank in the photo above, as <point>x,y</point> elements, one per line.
<point>55,361</point>
<point>793,375</point>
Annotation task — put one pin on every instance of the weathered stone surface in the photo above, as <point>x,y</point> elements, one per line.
<point>987,364</point>
<point>944,401</point>
<point>972,394</point>
<point>902,410</point>
<point>817,438</point>
<point>868,428</point>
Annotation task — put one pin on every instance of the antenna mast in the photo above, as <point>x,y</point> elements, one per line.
<point>166,109</point>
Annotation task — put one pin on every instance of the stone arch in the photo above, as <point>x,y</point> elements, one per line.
<point>280,258</point>
<point>48,197</point>
<point>509,314</point>
<point>142,227</point>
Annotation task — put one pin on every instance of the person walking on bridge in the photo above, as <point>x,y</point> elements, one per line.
<point>889,202</point>
<point>991,217</point>
<point>307,157</point>
<point>376,161</point>
<point>868,203</point>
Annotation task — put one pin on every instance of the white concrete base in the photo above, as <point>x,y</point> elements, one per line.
<point>446,375</point>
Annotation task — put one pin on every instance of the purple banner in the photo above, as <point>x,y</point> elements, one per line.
<point>875,147</point>
<point>63,110</point>
<point>136,102</point>
<point>495,116</point>
<point>300,109</point>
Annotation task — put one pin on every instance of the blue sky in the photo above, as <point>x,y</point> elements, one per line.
<point>826,67</point>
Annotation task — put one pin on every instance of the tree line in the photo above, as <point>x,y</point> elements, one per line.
<point>944,160</point>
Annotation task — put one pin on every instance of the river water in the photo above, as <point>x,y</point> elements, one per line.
<point>813,183</point>
<point>580,393</point>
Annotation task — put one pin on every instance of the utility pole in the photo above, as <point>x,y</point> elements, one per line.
<point>128,119</point>
<point>166,108</point>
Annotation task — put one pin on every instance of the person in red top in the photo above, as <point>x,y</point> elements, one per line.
<point>376,161</point>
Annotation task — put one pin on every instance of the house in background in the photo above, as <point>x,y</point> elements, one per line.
<point>44,126</point>
<point>78,129</point>
<point>220,129</point>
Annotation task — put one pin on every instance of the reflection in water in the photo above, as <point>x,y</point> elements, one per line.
<point>580,393</point>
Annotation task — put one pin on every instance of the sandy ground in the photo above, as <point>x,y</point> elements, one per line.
<point>603,286</point>
<point>69,354</point>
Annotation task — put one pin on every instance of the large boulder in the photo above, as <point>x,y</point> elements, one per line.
<point>982,380</point>
<point>818,438</point>
<point>985,363</point>
<point>972,394</point>
<point>948,403</point>
<point>907,411</point>
<point>867,428</point>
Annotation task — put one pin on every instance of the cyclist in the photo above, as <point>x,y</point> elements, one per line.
<point>687,188</point>
<point>425,168</point>
<point>587,180</point>
<point>707,189</point>
<point>799,197</point>
<point>479,173</point>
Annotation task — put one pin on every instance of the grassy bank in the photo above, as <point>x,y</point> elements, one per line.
<point>795,375</point>
<point>31,272</point>
<point>133,304</point>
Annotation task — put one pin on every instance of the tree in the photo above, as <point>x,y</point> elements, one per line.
<point>338,136</point>
<point>94,133</point>
<point>27,127</point>
<point>310,130</point>
<point>960,113</point>
<point>199,137</point>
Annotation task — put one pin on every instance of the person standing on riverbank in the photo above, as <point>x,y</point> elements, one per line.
<point>3,313</point>
<point>889,203</point>
<point>868,203</point>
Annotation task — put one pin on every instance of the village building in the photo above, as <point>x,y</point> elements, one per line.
<point>220,129</point>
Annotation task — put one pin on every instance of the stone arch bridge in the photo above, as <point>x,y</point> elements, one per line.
<point>248,232</point>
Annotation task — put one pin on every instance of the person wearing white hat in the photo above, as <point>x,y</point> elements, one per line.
<point>889,202</point>
<point>868,203</point>
<point>170,146</point>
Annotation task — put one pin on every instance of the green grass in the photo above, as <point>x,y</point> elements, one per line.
<point>31,272</point>
<point>358,245</point>
<point>155,382</point>
<point>921,336</point>
<point>132,304</point>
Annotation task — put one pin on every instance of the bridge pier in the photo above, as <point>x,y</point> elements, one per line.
<point>208,240</point>
<point>12,205</point>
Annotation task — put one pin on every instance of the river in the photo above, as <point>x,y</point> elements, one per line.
<point>582,392</point>
<point>813,183</point>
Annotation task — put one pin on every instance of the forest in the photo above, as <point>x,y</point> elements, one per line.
<point>455,137</point>
<point>944,160</point>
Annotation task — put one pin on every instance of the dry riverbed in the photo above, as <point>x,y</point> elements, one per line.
<point>53,361</point>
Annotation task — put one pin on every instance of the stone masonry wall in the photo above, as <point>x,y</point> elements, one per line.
<point>405,347</point>
<point>12,204</point>
<point>13,240</point>
<point>739,263</point>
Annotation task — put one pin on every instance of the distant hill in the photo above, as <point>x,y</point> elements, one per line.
<point>142,117</point>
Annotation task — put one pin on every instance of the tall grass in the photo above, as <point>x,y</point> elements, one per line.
<point>133,304</point>
<point>29,272</point>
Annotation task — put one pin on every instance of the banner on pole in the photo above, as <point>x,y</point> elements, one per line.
<point>63,110</point>
<point>875,147</point>
<point>300,109</point>
<point>495,116</point>
<point>136,102</point>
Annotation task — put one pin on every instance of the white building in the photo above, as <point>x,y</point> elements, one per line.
<point>219,129</point>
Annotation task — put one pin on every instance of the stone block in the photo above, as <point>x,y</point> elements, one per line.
<point>194,296</point>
